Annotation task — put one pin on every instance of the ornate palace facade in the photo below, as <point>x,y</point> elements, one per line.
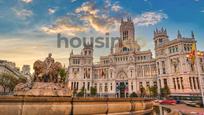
<point>128,66</point>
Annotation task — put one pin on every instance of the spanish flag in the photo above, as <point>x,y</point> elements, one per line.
<point>193,53</point>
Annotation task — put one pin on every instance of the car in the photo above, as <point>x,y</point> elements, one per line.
<point>168,102</point>
<point>157,101</point>
<point>193,103</point>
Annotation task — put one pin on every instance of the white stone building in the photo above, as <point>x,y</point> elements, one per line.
<point>127,65</point>
<point>9,67</point>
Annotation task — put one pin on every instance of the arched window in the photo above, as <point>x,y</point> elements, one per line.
<point>125,49</point>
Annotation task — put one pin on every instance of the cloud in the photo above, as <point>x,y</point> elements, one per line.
<point>73,1</point>
<point>202,11</point>
<point>63,25</point>
<point>97,18</point>
<point>51,10</point>
<point>22,13</point>
<point>86,17</point>
<point>149,18</point>
<point>116,7</point>
<point>89,17</point>
<point>26,1</point>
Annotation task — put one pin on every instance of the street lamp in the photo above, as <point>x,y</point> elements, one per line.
<point>195,56</point>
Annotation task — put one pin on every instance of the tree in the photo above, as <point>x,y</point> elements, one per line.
<point>133,94</point>
<point>165,92</point>
<point>93,91</point>
<point>62,74</point>
<point>142,91</point>
<point>8,81</point>
<point>153,91</point>
<point>82,92</point>
<point>74,92</point>
<point>22,79</point>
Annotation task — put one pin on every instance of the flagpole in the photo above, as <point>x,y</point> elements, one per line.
<point>194,56</point>
<point>200,77</point>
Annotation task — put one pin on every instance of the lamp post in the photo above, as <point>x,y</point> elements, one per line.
<point>197,54</point>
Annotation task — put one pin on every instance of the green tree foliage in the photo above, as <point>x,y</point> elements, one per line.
<point>165,92</point>
<point>133,94</point>
<point>22,79</point>
<point>82,92</point>
<point>93,91</point>
<point>62,74</point>
<point>153,91</point>
<point>9,81</point>
<point>142,91</point>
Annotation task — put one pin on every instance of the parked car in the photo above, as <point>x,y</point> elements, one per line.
<point>193,103</point>
<point>157,101</point>
<point>168,102</point>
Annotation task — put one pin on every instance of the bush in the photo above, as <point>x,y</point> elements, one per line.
<point>133,94</point>
<point>165,92</point>
<point>63,75</point>
<point>93,91</point>
<point>82,92</point>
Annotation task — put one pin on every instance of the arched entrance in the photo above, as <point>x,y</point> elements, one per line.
<point>122,84</point>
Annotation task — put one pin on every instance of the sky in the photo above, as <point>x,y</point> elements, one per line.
<point>29,28</point>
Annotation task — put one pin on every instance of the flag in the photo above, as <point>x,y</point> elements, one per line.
<point>192,54</point>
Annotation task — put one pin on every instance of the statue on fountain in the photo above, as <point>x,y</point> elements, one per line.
<point>47,70</point>
<point>46,80</point>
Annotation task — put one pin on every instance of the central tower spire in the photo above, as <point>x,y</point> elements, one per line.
<point>127,30</point>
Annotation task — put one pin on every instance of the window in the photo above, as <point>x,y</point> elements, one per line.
<point>174,83</point>
<point>132,86</point>
<point>95,85</point>
<point>158,68</point>
<point>72,86</point>
<point>160,83</point>
<point>202,68</point>
<point>192,67</point>
<point>176,47</point>
<point>169,50</point>
<point>84,84</point>
<point>190,80</point>
<point>111,87</point>
<point>147,84</point>
<point>194,83</point>
<point>178,83</point>
<point>155,84</point>
<point>175,68</point>
<point>181,78</point>
<point>88,86</point>
<point>160,41</point>
<point>198,83</point>
<point>185,47</point>
<point>111,74</point>
<point>163,66</point>
<point>144,57</point>
<point>165,83</point>
<point>125,35</point>
<point>106,87</point>
<point>100,87</point>
<point>141,85</point>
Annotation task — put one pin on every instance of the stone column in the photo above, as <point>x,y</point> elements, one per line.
<point>143,71</point>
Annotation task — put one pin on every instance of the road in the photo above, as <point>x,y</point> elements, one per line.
<point>185,109</point>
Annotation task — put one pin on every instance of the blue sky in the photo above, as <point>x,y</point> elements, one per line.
<point>28,28</point>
